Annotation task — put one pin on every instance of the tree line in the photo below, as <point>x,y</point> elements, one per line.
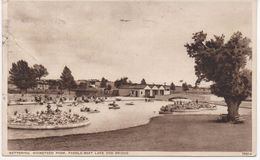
<point>218,61</point>
<point>24,77</point>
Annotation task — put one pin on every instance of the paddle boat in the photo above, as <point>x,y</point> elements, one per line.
<point>114,107</point>
<point>148,100</point>
<point>130,103</point>
<point>113,104</point>
<point>118,99</point>
<point>89,110</point>
<point>94,111</point>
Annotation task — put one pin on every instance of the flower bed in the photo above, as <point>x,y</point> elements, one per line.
<point>189,107</point>
<point>47,120</point>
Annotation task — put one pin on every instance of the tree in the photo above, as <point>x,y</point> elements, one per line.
<point>103,82</point>
<point>122,81</point>
<point>22,75</point>
<point>125,81</point>
<point>67,80</point>
<point>143,81</point>
<point>189,86</point>
<point>117,83</point>
<point>172,86</point>
<point>129,82</point>
<point>109,87</point>
<point>185,87</point>
<point>40,71</point>
<point>223,63</point>
<point>54,84</point>
<point>82,85</point>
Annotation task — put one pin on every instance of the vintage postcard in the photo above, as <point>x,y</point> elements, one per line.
<point>129,78</point>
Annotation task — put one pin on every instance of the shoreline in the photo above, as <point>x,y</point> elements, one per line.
<point>138,125</point>
<point>96,125</point>
<point>160,127</point>
<point>81,134</point>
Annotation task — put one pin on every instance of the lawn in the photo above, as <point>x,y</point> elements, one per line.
<point>165,133</point>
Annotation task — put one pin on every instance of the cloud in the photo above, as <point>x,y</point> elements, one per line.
<point>91,38</point>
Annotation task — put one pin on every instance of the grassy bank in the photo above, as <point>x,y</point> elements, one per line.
<point>166,133</point>
<point>244,104</point>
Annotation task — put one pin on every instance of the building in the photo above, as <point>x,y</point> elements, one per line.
<point>78,82</point>
<point>42,85</point>
<point>90,83</point>
<point>89,91</point>
<point>93,83</point>
<point>139,90</point>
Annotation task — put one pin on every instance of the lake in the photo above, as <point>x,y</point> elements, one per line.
<point>107,120</point>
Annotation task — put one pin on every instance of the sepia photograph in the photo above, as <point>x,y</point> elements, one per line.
<point>129,78</point>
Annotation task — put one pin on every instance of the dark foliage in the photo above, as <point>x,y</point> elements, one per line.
<point>67,80</point>
<point>143,81</point>
<point>40,71</point>
<point>172,86</point>
<point>22,75</point>
<point>223,63</point>
<point>122,81</point>
<point>103,82</point>
<point>185,87</point>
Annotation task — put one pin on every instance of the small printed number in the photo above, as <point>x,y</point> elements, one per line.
<point>246,153</point>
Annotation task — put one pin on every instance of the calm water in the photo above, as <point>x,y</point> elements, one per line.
<point>106,120</point>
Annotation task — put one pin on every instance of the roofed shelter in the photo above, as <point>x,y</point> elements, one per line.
<point>140,90</point>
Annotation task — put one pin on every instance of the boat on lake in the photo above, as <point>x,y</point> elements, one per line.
<point>118,99</point>
<point>130,103</point>
<point>89,110</point>
<point>114,107</point>
<point>113,104</point>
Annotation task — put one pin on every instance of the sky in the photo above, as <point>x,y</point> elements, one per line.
<point>117,39</point>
